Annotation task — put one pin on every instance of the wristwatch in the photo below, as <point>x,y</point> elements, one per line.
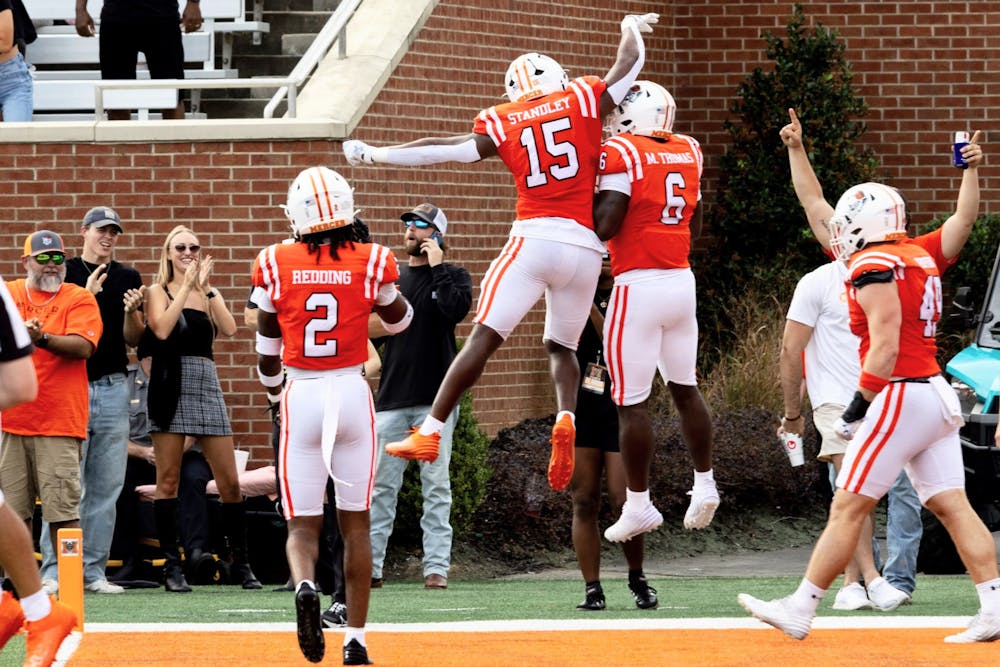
<point>212,293</point>
<point>43,341</point>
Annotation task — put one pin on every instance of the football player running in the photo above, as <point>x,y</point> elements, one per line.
<point>314,298</point>
<point>648,196</point>
<point>903,414</point>
<point>549,136</point>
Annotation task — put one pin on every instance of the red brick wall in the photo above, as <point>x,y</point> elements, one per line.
<point>924,68</point>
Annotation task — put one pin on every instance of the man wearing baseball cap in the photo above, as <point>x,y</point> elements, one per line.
<point>40,449</point>
<point>105,451</point>
<point>413,364</point>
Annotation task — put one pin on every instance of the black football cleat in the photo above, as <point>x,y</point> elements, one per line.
<point>644,594</point>
<point>356,654</point>
<point>335,616</point>
<point>309,623</point>
<point>594,600</point>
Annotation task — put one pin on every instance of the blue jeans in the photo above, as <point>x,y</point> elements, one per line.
<point>904,529</point>
<point>102,474</point>
<point>16,90</point>
<point>394,425</point>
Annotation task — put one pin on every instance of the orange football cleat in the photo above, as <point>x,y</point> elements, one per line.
<point>11,617</point>
<point>416,446</point>
<point>561,462</point>
<point>47,634</point>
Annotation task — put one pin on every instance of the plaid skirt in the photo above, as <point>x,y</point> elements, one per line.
<point>201,409</point>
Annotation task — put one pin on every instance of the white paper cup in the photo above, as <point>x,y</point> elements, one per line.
<point>793,447</point>
<point>242,456</point>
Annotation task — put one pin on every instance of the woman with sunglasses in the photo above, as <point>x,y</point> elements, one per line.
<point>185,314</point>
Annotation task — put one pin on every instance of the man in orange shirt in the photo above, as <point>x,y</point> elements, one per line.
<point>549,136</point>
<point>40,453</point>
<point>47,621</point>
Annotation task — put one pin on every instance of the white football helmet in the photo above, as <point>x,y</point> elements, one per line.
<point>533,75</point>
<point>865,214</point>
<point>647,110</point>
<point>319,199</point>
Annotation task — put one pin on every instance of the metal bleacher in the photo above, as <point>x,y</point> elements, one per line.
<point>67,65</point>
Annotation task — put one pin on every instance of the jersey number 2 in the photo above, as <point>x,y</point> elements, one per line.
<point>320,325</point>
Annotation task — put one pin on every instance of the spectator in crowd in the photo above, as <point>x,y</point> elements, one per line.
<point>903,414</point>
<point>653,323</point>
<point>597,450</point>
<point>413,365</point>
<point>151,27</point>
<point>185,314</point>
<point>46,620</point>
<point>552,249</point>
<point>904,526</point>
<point>16,84</point>
<point>311,357</point>
<point>40,454</point>
<point>195,527</point>
<point>102,463</point>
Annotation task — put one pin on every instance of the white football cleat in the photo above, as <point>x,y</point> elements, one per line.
<point>777,613</point>
<point>851,598</point>
<point>885,596</point>
<point>631,523</point>
<point>701,511</point>
<point>983,628</point>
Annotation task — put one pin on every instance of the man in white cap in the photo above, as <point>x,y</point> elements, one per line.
<point>105,450</point>
<point>413,364</point>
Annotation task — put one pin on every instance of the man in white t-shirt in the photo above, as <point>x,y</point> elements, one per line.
<point>817,328</point>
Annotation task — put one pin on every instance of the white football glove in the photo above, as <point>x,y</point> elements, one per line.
<point>358,153</point>
<point>641,21</point>
<point>846,430</point>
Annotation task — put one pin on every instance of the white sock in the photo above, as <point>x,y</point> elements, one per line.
<point>637,500</point>
<point>989,597</point>
<point>431,426</point>
<point>706,478</point>
<point>306,582</point>
<point>36,606</point>
<point>355,633</point>
<point>572,417</point>
<point>808,596</point>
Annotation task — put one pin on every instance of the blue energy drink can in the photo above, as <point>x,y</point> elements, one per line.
<point>961,141</point>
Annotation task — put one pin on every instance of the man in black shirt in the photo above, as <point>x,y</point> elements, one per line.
<point>104,453</point>
<point>413,364</point>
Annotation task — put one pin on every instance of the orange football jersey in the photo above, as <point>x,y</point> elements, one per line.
<point>323,304</point>
<point>551,145</point>
<point>919,284</point>
<point>665,177</point>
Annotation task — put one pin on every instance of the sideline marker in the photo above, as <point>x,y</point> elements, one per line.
<point>70,558</point>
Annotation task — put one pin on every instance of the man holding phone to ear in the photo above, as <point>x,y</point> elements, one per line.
<point>413,364</point>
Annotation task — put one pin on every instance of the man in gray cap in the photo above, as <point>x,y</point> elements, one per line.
<point>413,365</point>
<point>118,288</point>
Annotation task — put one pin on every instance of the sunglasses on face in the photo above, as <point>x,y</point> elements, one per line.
<point>180,247</point>
<point>417,222</point>
<point>56,258</point>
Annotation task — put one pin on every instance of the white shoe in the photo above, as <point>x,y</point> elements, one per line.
<point>884,596</point>
<point>851,598</point>
<point>630,523</point>
<point>983,628</point>
<point>50,586</point>
<point>779,614</point>
<point>704,502</point>
<point>103,586</point>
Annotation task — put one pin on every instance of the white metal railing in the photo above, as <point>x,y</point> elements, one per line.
<point>335,30</point>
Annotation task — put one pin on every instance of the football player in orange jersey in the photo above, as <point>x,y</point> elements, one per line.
<point>649,194</point>
<point>314,298</point>
<point>904,414</point>
<point>549,136</point>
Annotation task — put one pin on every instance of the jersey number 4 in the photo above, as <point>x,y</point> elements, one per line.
<point>561,169</point>
<point>318,326</point>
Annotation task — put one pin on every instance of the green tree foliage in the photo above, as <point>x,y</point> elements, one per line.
<point>469,474</point>
<point>760,231</point>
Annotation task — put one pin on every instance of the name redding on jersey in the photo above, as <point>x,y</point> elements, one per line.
<point>320,277</point>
